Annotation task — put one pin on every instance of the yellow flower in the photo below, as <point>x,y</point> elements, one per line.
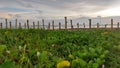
<point>71,56</point>
<point>105,33</point>
<point>63,64</point>
<point>8,51</point>
<point>7,32</point>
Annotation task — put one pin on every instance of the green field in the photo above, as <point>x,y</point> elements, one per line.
<point>36,48</point>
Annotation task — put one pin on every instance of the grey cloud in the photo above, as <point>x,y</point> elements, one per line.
<point>66,4</point>
<point>17,16</point>
<point>39,11</point>
<point>24,3</point>
<point>10,15</point>
<point>14,15</point>
<point>59,7</point>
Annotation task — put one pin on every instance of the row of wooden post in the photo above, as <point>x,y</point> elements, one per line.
<point>43,26</point>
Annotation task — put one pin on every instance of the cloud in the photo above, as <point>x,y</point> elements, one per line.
<point>14,15</point>
<point>69,5</point>
<point>37,8</point>
<point>13,9</point>
<point>24,3</point>
<point>39,11</point>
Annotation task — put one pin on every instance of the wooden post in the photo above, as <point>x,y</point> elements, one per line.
<point>33,25</point>
<point>10,25</point>
<point>25,25</point>
<point>19,25</point>
<point>65,22</point>
<point>84,25</point>
<point>72,27</point>
<point>71,24</point>
<point>111,23</point>
<point>6,20</point>
<point>49,26</point>
<point>43,23</point>
<point>16,23</point>
<point>38,25</point>
<point>59,26</point>
<point>28,24</point>
<point>90,23</point>
<point>77,25</point>
<point>0,25</point>
<point>53,24</point>
<point>105,26</point>
<point>97,25</point>
<point>118,25</point>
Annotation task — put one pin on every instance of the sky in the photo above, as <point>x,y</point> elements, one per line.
<point>58,8</point>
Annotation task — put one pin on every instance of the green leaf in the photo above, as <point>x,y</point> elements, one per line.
<point>43,56</point>
<point>8,64</point>
<point>2,48</point>
<point>79,63</point>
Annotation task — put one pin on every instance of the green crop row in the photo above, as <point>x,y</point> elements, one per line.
<point>37,48</point>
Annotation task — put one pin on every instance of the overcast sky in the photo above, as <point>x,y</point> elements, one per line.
<point>58,8</point>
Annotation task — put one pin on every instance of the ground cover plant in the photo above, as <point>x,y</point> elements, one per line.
<point>37,48</point>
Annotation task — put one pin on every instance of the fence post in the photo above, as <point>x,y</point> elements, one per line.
<point>118,25</point>
<point>33,25</point>
<point>53,24</point>
<point>1,25</point>
<point>59,25</point>
<point>90,23</point>
<point>111,23</point>
<point>49,26</point>
<point>10,25</point>
<point>77,25</point>
<point>105,26</point>
<point>97,25</point>
<point>71,24</point>
<point>16,23</point>
<point>84,25</point>
<point>19,25</point>
<point>28,24</point>
<point>25,25</point>
<point>65,22</point>
<point>38,24</point>
<point>6,20</point>
<point>43,23</point>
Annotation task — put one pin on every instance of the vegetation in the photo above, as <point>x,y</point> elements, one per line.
<point>36,48</point>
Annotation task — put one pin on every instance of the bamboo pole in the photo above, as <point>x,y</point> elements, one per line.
<point>10,25</point>
<point>97,25</point>
<point>77,25</point>
<point>16,23</point>
<point>43,23</point>
<point>90,23</point>
<point>28,24</point>
<point>105,26</point>
<point>1,25</point>
<point>19,25</point>
<point>84,25</point>
<point>25,25</point>
<point>111,23</point>
<point>59,26</point>
<point>49,26</point>
<point>65,22</point>
<point>6,20</point>
<point>53,24</point>
<point>33,25</point>
<point>71,24</point>
<point>118,25</point>
<point>38,25</point>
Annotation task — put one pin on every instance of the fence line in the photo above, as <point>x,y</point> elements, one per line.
<point>51,26</point>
